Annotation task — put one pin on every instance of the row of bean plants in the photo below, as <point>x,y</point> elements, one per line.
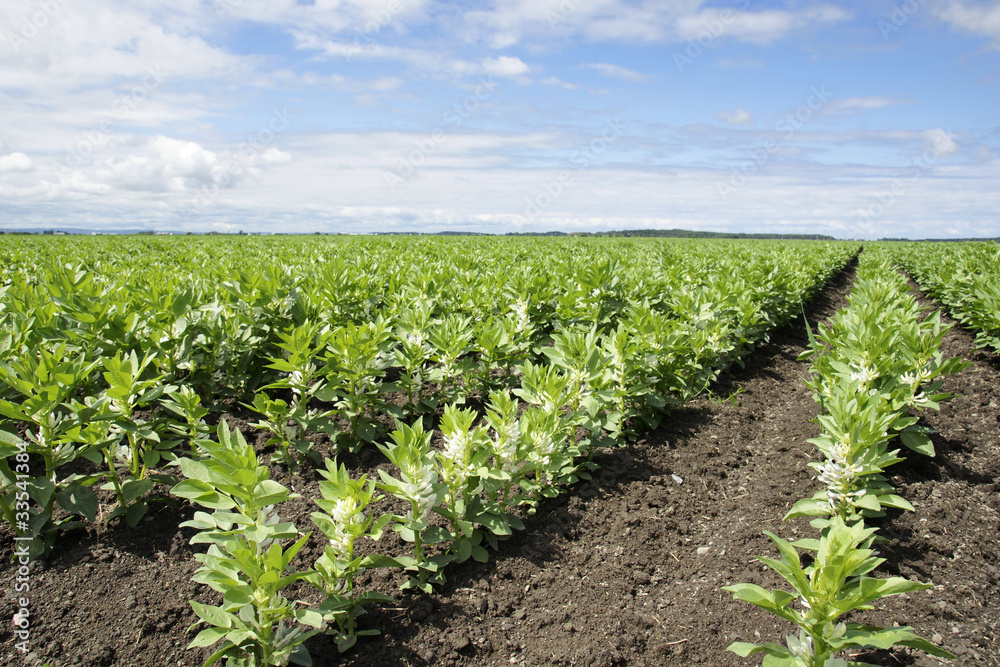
<point>114,367</point>
<point>873,367</point>
<point>964,277</point>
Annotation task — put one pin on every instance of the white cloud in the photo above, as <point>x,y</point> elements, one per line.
<point>504,66</point>
<point>941,142</point>
<point>178,141</point>
<point>850,105</point>
<point>88,43</point>
<point>158,164</point>
<point>510,22</point>
<point>15,162</point>
<point>616,71</point>
<point>483,181</point>
<point>981,19</point>
<point>553,81</point>
<point>763,27</point>
<point>737,117</point>
<point>163,165</point>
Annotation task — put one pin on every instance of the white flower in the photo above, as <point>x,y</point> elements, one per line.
<point>838,474</point>
<point>802,647</point>
<point>456,447</point>
<point>865,373</point>
<point>505,446</point>
<point>341,543</point>
<point>416,338</point>
<point>419,488</point>
<point>296,380</point>
<point>920,400</point>
<point>543,445</point>
<point>271,519</point>
<point>521,310</point>
<point>345,510</point>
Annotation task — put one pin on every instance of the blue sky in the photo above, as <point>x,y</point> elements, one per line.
<point>854,119</point>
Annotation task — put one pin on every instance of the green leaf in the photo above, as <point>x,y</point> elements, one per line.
<point>898,502</point>
<point>79,500</point>
<point>918,442</point>
<point>309,617</point>
<point>773,601</point>
<point>378,560</point>
<point>41,490</point>
<point>496,524</point>
<point>220,654</point>
<point>199,492</point>
<point>808,507</point>
<point>236,597</point>
<point>134,488</point>
<point>746,649</point>
<point>300,656</point>
<point>269,492</point>
<point>8,444</point>
<point>213,615</point>
<point>436,535</point>
<point>372,596</point>
<point>345,642</point>
<point>869,501</point>
<point>268,579</point>
<point>885,638</point>
<point>463,550</point>
<point>207,637</point>
<point>12,411</point>
<point>135,512</point>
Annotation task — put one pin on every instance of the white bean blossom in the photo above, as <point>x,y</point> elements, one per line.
<point>271,520</point>
<point>345,512</point>
<point>865,373</point>
<point>416,338</point>
<point>521,310</point>
<point>838,474</point>
<point>543,447</point>
<point>456,447</point>
<point>418,486</point>
<point>505,446</point>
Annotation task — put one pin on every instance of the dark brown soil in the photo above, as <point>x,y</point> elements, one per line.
<point>626,569</point>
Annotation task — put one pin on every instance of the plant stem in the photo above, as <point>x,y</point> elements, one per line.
<point>113,474</point>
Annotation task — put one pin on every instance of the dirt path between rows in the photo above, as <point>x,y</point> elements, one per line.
<point>625,569</point>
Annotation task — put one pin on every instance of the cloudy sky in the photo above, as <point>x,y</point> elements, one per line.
<point>855,119</point>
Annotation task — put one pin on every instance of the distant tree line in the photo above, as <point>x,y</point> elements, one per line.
<point>689,234</point>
